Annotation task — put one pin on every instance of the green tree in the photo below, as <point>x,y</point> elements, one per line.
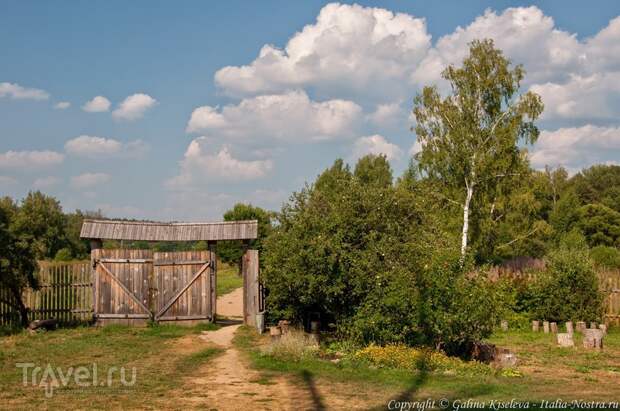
<point>17,259</point>
<point>599,184</point>
<point>232,251</point>
<point>600,225</point>
<point>374,169</point>
<point>40,221</point>
<point>470,138</point>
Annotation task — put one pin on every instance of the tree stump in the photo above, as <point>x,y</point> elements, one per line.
<point>565,340</point>
<point>535,326</point>
<point>569,327</point>
<point>546,327</point>
<point>593,325</point>
<point>554,327</point>
<point>593,338</point>
<point>275,332</point>
<point>284,326</point>
<point>504,325</point>
<point>581,326</point>
<point>603,327</point>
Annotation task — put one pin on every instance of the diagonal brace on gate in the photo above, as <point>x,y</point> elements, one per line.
<point>125,289</point>
<point>182,290</point>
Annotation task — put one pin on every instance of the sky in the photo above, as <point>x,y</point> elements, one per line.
<point>178,110</point>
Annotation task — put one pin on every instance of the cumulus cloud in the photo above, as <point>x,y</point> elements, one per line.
<point>376,144</point>
<point>134,107</point>
<point>578,147</point>
<point>388,115</point>
<point>200,163</point>
<point>348,48</point>
<point>99,147</point>
<point>45,182</point>
<point>289,116</point>
<point>17,92</point>
<point>98,104</point>
<point>25,160</point>
<point>62,105</point>
<point>88,180</point>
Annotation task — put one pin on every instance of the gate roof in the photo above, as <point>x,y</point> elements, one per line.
<point>153,231</point>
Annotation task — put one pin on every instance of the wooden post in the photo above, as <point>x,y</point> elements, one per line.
<point>213,278</point>
<point>95,244</point>
<point>546,327</point>
<point>535,326</point>
<point>593,338</point>
<point>569,327</point>
<point>565,340</point>
<point>581,326</point>
<point>603,327</point>
<point>554,327</point>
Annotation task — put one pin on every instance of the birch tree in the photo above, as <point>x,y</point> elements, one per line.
<point>471,137</point>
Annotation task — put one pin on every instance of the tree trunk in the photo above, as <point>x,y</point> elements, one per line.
<point>23,311</point>
<point>470,193</point>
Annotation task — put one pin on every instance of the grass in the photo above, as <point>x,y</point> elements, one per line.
<point>159,354</point>
<point>544,372</point>
<point>228,279</point>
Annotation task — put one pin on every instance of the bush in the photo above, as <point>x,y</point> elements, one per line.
<point>293,346</point>
<point>568,289</point>
<point>605,257</point>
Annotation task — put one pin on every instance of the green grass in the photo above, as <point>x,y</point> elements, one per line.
<point>161,365</point>
<point>544,371</point>
<point>228,279</point>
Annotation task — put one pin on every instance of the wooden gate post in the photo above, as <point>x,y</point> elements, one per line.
<point>95,244</point>
<point>250,287</point>
<point>213,278</point>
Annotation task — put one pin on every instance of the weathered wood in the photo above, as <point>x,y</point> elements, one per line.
<point>593,338</point>
<point>546,327</point>
<point>250,287</point>
<point>182,290</point>
<point>569,327</point>
<point>535,326</point>
<point>127,292</point>
<point>581,326</point>
<point>156,231</point>
<point>565,340</point>
<point>554,327</point>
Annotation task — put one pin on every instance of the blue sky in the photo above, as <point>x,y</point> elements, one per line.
<point>191,116</point>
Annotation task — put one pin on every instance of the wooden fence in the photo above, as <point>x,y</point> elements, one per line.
<point>610,284</point>
<point>65,293</point>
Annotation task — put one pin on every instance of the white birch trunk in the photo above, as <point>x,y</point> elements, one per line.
<point>470,193</point>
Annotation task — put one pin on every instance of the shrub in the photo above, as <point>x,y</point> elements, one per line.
<point>605,257</point>
<point>409,358</point>
<point>568,288</point>
<point>293,346</point>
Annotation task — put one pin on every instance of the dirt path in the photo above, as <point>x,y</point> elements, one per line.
<point>231,305</point>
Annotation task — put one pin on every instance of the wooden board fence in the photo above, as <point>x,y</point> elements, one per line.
<point>65,293</point>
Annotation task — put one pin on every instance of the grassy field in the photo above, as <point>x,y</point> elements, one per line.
<point>162,356</point>
<point>228,279</point>
<point>546,372</point>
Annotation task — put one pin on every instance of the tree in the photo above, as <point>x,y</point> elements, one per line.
<point>470,138</point>
<point>17,259</point>
<point>232,251</point>
<point>600,225</point>
<point>374,169</point>
<point>599,184</point>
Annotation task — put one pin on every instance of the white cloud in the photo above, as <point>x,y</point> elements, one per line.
<point>88,180</point>
<point>199,164</point>
<point>134,107</point>
<point>45,182</point>
<point>388,115</point>
<point>349,48</point>
<point>6,181</point>
<point>17,92</point>
<point>30,159</point>
<point>62,105</point>
<point>98,104</point>
<point>578,147</point>
<point>376,144</point>
<point>100,147</point>
<point>290,116</point>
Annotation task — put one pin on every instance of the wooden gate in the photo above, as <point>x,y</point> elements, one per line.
<point>133,286</point>
<point>252,291</point>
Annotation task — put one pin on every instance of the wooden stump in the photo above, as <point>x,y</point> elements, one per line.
<point>546,327</point>
<point>554,327</point>
<point>603,327</point>
<point>569,327</point>
<point>593,325</point>
<point>504,325</point>
<point>275,332</point>
<point>593,338</point>
<point>581,326</point>
<point>284,326</point>
<point>535,326</point>
<point>565,340</point>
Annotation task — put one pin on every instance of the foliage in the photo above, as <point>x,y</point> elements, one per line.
<point>600,224</point>
<point>401,356</point>
<point>599,184</point>
<point>568,289</point>
<point>231,251</point>
<point>470,138</point>
<point>344,249</point>
<point>605,257</point>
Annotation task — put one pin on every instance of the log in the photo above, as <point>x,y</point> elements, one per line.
<point>554,327</point>
<point>504,325</point>
<point>535,326</point>
<point>569,327</point>
<point>565,340</point>
<point>581,326</point>
<point>546,327</point>
<point>593,338</point>
<point>49,324</point>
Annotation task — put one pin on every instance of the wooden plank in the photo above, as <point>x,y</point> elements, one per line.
<point>122,286</point>
<point>182,290</point>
